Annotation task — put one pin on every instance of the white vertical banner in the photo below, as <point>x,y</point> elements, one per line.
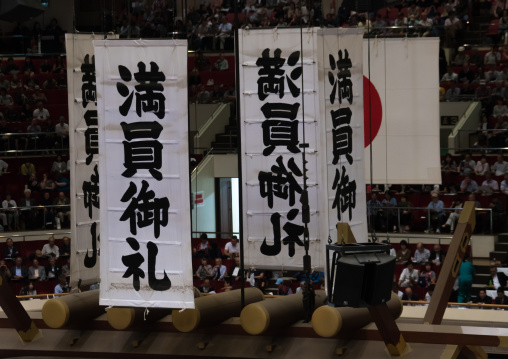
<point>279,119</point>
<point>341,99</point>
<point>404,111</point>
<point>144,167</point>
<point>84,146</point>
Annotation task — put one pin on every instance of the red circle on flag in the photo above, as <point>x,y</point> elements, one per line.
<point>374,109</point>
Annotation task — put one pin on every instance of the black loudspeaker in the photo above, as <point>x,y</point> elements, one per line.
<point>363,280</point>
<point>20,10</point>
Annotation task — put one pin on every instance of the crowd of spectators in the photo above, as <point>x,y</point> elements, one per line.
<point>217,269</point>
<point>47,269</point>
<point>421,269</point>
<point>44,202</point>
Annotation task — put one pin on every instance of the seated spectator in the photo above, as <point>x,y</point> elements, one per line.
<point>497,279</point>
<point>430,292</point>
<point>28,289</point>
<point>62,184</point>
<point>500,109</point>
<point>222,63</point>
<point>490,182</point>
<point>283,289</point>
<point>405,213</point>
<point>219,271</point>
<point>422,254</point>
<point>497,210</point>
<point>53,270</point>
<point>201,250</point>
<point>427,276</point>
<point>66,268</point>
<point>501,298</point>
<point>454,214</point>
<point>11,213</point>
<point>62,132</point>
<point>28,213</point>
<point>201,62</point>
<point>448,165</point>
<point>466,89</point>
<point>19,271</point>
<point>224,31</point>
<point>467,165</point>
<point>504,185</point>
<point>468,185</point>
<point>206,287</point>
<point>47,184</point>
<point>500,167</point>
<point>28,66</point>
<point>31,84</point>
<point>37,96</point>
<point>4,270</point>
<point>5,98</point>
<point>203,95</point>
<point>466,74</point>
<point>437,255</point>
<point>27,168</point>
<point>16,83</point>
<point>50,84</point>
<point>11,252</point>
<point>40,113</point>
<point>65,248</point>
<point>482,297</point>
<point>389,214</point>
<point>483,93</point>
<point>45,66</point>
<point>194,78</point>
<point>373,206</point>
<point>493,57</point>
<point>232,248</point>
<point>410,295</point>
<point>395,289</point>
<point>437,215</point>
<point>62,286</point>
<point>48,217</point>
<point>453,93</point>
<point>58,65</point>
<point>50,249</point>
<point>6,84</point>
<point>63,212</point>
<point>11,67</point>
<point>59,166</point>
<point>36,272</point>
<point>409,276</point>
<point>404,253</point>
<point>33,183</point>
<point>482,166</point>
<point>205,270</point>
<point>450,75</point>
<point>234,274</point>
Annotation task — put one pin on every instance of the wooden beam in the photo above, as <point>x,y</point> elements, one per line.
<point>344,232</point>
<point>387,328</point>
<point>451,265</point>
<point>17,315</point>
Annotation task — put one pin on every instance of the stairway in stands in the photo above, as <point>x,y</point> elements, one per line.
<point>227,141</point>
<point>482,277</point>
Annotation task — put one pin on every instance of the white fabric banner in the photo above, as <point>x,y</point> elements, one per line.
<point>342,130</point>
<point>83,143</point>
<point>279,118</point>
<point>405,110</point>
<point>144,166</point>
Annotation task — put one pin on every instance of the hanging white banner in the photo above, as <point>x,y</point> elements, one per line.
<point>144,167</point>
<point>404,112</point>
<point>83,144</point>
<point>341,99</point>
<point>279,119</point>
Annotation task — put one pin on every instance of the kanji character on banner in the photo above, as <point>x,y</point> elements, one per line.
<point>280,127</point>
<point>145,210</point>
<point>343,79</point>
<point>292,239</point>
<point>271,75</point>
<point>345,193</point>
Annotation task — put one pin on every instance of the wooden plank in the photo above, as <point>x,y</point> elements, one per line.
<point>394,341</point>
<point>17,315</point>
<point>450,269</point>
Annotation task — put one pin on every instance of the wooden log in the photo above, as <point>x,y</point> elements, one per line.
<point>72,309</point>
<point>276,313</point>
<point>214,309</point>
